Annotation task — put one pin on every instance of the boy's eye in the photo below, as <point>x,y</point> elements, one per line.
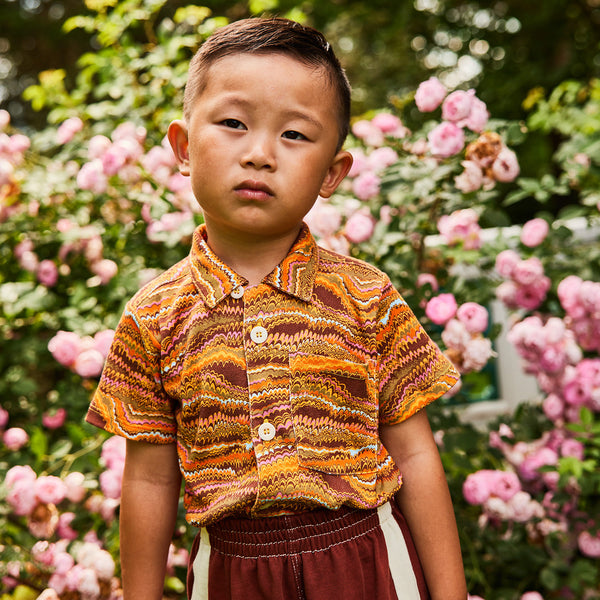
<point>233,124</point>
<point>294,135</point>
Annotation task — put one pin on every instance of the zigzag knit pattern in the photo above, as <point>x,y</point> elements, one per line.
<point>341,354</point>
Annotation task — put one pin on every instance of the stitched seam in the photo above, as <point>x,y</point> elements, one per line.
<point>311,551</point>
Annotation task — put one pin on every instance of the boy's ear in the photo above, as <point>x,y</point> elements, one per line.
<point>340,165</point>
<point>178,138</point>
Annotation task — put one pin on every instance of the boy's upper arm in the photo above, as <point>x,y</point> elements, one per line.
<point>152,462</point>
<point>409,437</point>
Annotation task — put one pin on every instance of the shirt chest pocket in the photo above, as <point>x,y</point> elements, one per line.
<point>334,409</point>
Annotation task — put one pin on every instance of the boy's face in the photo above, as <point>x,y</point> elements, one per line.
<point>260,145</point>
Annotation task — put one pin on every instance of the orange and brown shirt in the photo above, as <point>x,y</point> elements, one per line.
<point>274,393</point>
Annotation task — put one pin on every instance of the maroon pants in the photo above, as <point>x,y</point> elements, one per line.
<point>349,554</point>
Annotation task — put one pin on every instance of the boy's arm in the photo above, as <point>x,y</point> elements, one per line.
<point>149,499</point>
<point>425,501</point>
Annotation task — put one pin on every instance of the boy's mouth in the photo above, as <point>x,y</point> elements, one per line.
<point>254,190</point>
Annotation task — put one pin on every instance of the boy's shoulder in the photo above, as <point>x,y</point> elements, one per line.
<point>331,262</point>
<point>175,282</point>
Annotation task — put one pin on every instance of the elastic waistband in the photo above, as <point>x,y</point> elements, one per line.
<point>313,531</point>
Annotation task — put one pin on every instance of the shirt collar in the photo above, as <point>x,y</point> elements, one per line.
<point>295,275</point>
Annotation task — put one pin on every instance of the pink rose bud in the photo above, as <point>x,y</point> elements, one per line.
<point>478,117</point>
<point>4,417</point>
<point>446,139</point>
<point>359,227</point>
<point>47,273</point>
<point>50,489</point>
<point>65,347</point>
<point>15,438</point>
<point>457,105</point>
<point>441,309</point>
<point>105,269</point>
<point>589,545</point>
<point>366,185</point>
<point>534,232</point>
<point>68,129</point>
<point>474,316</point>
<point>89,363</point>
<point>430,94</point>
<point>54,420</point>
<point>506,166</point>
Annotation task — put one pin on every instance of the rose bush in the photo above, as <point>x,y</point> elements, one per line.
<point>92,207</point>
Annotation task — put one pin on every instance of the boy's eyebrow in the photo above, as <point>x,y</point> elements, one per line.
<point>290,114</point>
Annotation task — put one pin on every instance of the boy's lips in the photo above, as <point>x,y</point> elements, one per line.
<point>254,190</point>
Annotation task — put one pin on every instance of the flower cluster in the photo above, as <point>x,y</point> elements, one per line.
<point>12,153</point>
<point>581,301</point>
<point>461,227</point>
<point>464,326</point>
<point>526,284</point>
<point>83,355</point>
<point>86,573</point>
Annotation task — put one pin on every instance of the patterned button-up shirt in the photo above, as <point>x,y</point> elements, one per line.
<point>274,393</point>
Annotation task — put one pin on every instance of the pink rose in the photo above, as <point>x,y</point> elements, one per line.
<point>103,341</point>
<point>50,489</point>
<point>476,354</point>
<point>455,335</point>
<point>18,143</point>
<point>474,316</point>
<point>113,453</point>
<point>476,487</point>
<point>529,468</point>
<point>369,133</point>
<point>572,448</point>
<point>381,158</point>
<point>110,483</point>
<point>389,124</point>
<point>505,485</point>
<point>47,273</point>
<point>65,347</point>
<point>532,596</point>
<point>568,293</point>
<point>366,185</point>
<point>359,227</point>
<point>506,166</point>
<point>89,363</point>
<point>4,119</point>
<point>528,271</point>
<point>446,139</point>
<point>553,407</point>
<point>457,105</point>
<point>22,497</point>
<point>74,485</point>
<point>68,129</point>
<point>97,146</point>
<point>589,545</point>
<point>20,473</point>
<point>471,179</point>
<point>324,219</point>
<point>428,279</point>
<point>64,529</point>
<point>15,438</point>
<point>105,269</point>
<point>54,420</point>
<point>478,117</point>
<point>91,177</point>
<point>4,417</point>
<point>461,227</point>
<point>534,232</point>
<point>430,94</point>
<point>441,309</point>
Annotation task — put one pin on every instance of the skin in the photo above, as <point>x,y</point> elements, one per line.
<point>258,153</point>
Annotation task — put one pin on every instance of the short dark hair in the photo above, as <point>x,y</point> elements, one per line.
<point>265,36</point>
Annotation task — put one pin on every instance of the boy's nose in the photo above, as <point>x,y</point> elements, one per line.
<point>259,154</point>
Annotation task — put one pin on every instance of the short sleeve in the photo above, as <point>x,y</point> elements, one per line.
<point>412,371</point>
<point>130,400</point>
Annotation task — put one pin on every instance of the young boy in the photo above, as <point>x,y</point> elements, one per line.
<point>284,382</point>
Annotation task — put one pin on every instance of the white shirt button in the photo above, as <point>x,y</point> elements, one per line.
<point>266,432</point>
<point>258,334</point>
<point>238,292</point>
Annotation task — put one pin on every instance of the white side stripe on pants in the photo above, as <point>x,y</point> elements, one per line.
<point>200,568</point>
<point>403,575</point>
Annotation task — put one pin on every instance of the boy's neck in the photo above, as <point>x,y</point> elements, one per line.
<point>253,257</point>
